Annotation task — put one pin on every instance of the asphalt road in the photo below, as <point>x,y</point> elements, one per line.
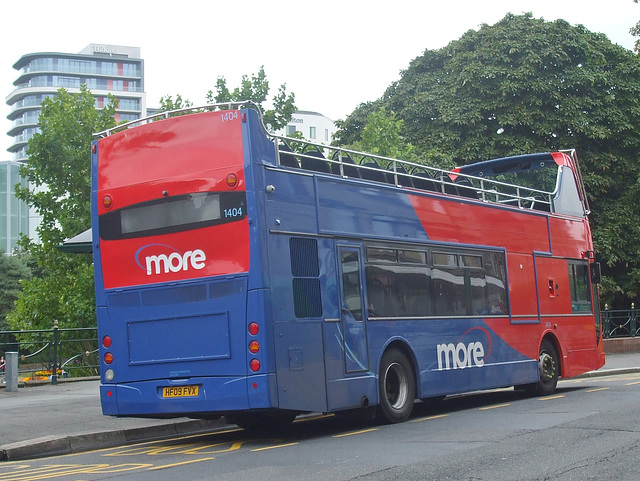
<point>587,430</point>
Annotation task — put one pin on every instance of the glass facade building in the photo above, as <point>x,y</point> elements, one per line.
<point>105,69</point>
<point>14,213</point>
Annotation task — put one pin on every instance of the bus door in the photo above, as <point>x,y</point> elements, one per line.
<point>354,327</point>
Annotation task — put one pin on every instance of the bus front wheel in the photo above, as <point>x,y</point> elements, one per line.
<point>549,369</point>
<point>397,387</point>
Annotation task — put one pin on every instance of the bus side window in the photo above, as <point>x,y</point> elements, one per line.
<point>579,287</point>
<point>376,298</point>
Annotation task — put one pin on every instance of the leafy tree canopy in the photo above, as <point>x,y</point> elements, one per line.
<point>13,269</point>
<point>256,89</point>
<point>59,173</point>
<point>635,31</point>
<point>382,135</point>
<point>526,85</point>
<point>167,102</point>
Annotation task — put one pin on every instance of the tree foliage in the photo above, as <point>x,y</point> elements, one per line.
<point>13,270</point>
<point>526,85</point>
<point>256,89</point>
<point>383,135</point>
<point>59,174</point>
<point>167,103</point>
<point>635,31</point>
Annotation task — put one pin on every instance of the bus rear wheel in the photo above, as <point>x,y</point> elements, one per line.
<point>549,370</point>
<point>397,387</point>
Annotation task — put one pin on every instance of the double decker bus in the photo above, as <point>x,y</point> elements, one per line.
<point>243,274</point>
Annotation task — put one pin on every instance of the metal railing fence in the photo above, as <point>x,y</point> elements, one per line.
<point>48,354</point>
<point>620,323</point>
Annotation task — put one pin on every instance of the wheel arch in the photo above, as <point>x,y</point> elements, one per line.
<point>553,339</point>
<point>403,346</point>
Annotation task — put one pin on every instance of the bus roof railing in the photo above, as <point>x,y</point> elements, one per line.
<point>466,181</point>
<point>349,163</point>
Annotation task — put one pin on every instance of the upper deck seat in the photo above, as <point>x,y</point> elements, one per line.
<point>315,161</point>
<point>372,170</point>
<point>465,188</point>
<point>449,186</point>
<point>424,181</point>
<point>287,158</point>
<point>403,176</point>
<point>348,166</point>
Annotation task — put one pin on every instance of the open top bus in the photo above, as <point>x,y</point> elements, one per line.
<point>254,276</point>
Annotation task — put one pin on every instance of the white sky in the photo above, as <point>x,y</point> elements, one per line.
<point>332,54</point>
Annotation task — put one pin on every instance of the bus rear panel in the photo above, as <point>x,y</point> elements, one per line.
<point>172,270</point>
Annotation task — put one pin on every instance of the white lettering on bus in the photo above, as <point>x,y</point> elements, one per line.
<point>460,356</point>
<point>175,262</point>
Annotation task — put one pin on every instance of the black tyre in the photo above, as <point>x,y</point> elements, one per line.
<point>397,387</point>
<point>549,367</point>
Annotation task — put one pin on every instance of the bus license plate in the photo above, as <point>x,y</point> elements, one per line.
<point>180,391</point>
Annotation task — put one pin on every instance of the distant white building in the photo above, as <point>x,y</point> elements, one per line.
<point>314,126</point>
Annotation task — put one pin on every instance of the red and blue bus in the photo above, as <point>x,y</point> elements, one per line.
<point>243,274</point>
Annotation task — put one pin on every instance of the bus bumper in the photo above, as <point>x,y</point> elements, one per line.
<point>214,395</point>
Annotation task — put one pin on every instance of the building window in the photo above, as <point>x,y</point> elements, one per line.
<point>312,132</point>
<point>291,129</point>
<point>326,135</point>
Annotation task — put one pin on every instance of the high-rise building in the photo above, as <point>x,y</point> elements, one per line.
<point>14,213</point>
<point>105,69</point>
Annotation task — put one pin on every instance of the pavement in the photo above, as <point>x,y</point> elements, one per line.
<point>48,420</point>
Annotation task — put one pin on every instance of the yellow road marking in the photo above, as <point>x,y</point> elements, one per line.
<point>62,470</point>
<point>549,398</point>
<point>632,383</point>
<point>495,406</point>
<point>165,466</point>
<point>598,389</point>
<point>178,449</point>
<point>353,433</point>
<point>429,418</point>
<point>273,447</point>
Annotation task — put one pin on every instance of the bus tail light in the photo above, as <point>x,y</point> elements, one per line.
<point>108,358</point>
<point>109,375</point>
<point>254,347</point>
<point>254,365</point>
<point>107,202</point>
<point>232,181</point>
<point>106,341</point>
<point>254,328</point>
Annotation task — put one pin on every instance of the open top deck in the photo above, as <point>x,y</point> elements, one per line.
<point>482,181</point>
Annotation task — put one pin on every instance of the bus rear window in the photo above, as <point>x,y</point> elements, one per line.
<point>173,214</point>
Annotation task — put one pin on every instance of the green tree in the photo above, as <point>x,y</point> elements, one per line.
<point>59,173</point>
<point>382,135</point>
<point>13,270</point>
<point>167,103</point>
<point>526,85</point>
<point>635,31</point>
<point>256,89</point>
